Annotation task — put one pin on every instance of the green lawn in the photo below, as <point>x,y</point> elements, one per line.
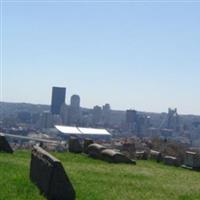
<point>97,180</point>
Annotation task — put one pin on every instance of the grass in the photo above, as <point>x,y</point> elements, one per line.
<point>97,180</point>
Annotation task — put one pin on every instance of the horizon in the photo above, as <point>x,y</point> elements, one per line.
<point>113,109</point>
<point>144,57</point>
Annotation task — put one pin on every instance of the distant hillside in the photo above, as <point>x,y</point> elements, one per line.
<point>98,180</point>
<point>7,109</point>
<point>117,116</point>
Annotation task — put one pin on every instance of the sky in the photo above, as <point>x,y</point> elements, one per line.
<point>144,56</point>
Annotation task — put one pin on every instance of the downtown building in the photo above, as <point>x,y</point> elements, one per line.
<point>57,100</point>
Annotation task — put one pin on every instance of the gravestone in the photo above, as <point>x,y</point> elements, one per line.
<point>192,160</point>
<point>170,160</point>
<point>75,145</point>
<point>112,156</point>
<point>87,142</point>
<point>155,155</point>
<point>49,175</point>
<point>141,155</point>
<point>94,150</point>
<point>4,145</point>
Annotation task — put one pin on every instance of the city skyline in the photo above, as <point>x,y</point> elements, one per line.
<point>75,101</point>
<point>130,57</point>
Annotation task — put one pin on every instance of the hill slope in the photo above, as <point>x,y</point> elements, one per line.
<point>97,180</point>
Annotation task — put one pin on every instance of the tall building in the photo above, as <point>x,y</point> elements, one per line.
<point>131,116</point>
<point>58,99</point>
<point>46,120</point>
<point>131,120</point>
<point>106,114</point>
<point>75,111</point>
<point>97,115</point>
<point>64,114</point>
<point>75,101</point>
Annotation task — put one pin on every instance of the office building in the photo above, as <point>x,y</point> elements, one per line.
<point>75,111</point>
<point>106,114</point>
<point>58,99</point>
<point>97,115</point>
<point>75,101</point>
<point>131,120</point>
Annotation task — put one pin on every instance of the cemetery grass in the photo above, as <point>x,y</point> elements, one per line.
<point>97,180</point>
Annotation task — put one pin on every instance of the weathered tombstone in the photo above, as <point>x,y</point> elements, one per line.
<point>75,145</point>
<point>141,155</point>
<point>49,175</point>
<point>192,160</point>
<point>155,155</point>
<point>94,150</point>
<point>170,160</point>
<point>112,156</point>
<point>129,149</point>
<point>87,142</point>
<point>4,145</point>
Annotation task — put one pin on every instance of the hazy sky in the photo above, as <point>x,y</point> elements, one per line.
<point>145,57</point>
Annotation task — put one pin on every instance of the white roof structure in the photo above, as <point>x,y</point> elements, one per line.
<point>68,129</point>
<point>94,131</point>
<point>81,131</point>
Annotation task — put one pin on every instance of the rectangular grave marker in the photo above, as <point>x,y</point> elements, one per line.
<point>49,175</point>
<point>4,145</point>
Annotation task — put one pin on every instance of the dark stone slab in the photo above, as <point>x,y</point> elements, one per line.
<point>192,160</point>
<point>170,160</point>
<point>87,142</point>
<point>112,156</point>
<point>141,155</point>
<point>94,150</point>
<point>49,175</point>
<point>75,145</point>
<point>4,145</point>
<point>155,155</point>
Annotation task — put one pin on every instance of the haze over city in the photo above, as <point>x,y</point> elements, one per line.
<point>99,99</point>
<point>141,57</point>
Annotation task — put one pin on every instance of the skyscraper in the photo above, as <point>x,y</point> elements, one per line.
<point>75,101</point>
<point>106,114</point>
<point>58,99</point>
<point>131,116</point>
<point>64,114</point>
<point>97,115</point>
<point>75,111</point>
<point>131,119</point>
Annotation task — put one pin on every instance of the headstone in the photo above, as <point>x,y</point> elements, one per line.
<point>141,155</point>
<point>192,160</point>
<point>94,150</point>
<point>155,155</point>
<point>4,145</point>
<point>170,160</point>
<point>87,142</point>
<point>112,156</point>
<point>75,145</point>
<point>49,175</point>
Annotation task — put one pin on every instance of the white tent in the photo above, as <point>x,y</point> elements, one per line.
<point>81,131</point>
<point>68,130</point>
<point>94,131</point>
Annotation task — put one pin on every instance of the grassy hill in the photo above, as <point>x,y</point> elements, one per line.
<point>97,180</point>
